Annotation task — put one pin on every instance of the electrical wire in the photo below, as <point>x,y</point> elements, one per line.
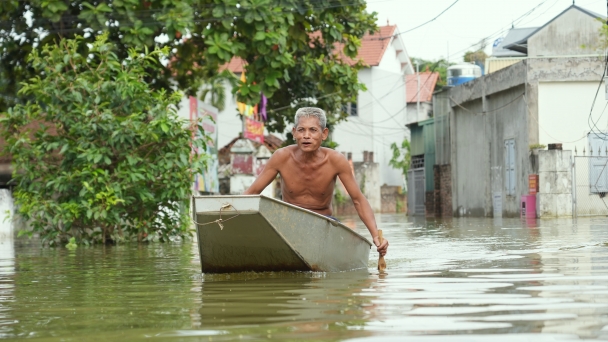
<point>593,124</point>
<point>421,25</point>
<point>547,133</point>
<point>501,31</point>
<point>490,111</point>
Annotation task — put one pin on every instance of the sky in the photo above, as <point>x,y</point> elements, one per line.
<point>461,27</point>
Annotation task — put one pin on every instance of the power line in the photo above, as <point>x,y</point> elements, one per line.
<point>501,30</point>
<point>419,26</point>
<point>590,117</point>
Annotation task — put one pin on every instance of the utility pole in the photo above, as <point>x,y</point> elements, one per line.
<point>418,92</point>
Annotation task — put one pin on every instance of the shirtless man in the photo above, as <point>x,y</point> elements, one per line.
<point>308,172</point>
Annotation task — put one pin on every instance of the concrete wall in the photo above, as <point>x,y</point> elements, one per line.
<point>571,103</point>
<point>559,91</point>
<point>413,115</point>
<point>367,175</point>
<point>6,215</point>
<point>485,113</point>
<point>393,199</point>
<point>368,178</point>
<point>537,100</point>
<point>566,35</point>
<point>554,198</point>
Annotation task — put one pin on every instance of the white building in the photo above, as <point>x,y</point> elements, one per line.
<point>379,116</point>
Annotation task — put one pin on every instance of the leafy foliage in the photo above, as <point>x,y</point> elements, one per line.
<point>294,50</point>
<point>214,93</point>
<point>477,57</point>
<point>98,155</point>
<point>401,159</point>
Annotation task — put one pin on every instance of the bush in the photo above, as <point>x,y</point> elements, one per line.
<point>98,155</point>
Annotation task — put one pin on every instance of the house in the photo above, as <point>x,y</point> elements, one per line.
<point>493,121</point>
<point>420,122</point>
<point>502,57</point>
<point>419,90</point>
<point>378,117</point>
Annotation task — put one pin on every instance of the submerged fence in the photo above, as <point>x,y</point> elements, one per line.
<point>590,186</point>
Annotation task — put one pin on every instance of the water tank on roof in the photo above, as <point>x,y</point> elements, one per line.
<point>462,73</point>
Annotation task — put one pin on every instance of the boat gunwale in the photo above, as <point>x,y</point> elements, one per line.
<point>331,221</point>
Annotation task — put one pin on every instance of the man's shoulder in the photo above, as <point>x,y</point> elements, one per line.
<point>285,150</point>
<point>333,154</point>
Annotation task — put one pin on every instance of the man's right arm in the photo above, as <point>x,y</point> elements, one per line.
<point>268,175</point>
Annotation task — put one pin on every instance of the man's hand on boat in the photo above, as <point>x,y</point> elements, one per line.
<point>309,171</point>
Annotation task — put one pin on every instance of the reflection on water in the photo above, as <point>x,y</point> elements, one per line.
<point>447,280</point>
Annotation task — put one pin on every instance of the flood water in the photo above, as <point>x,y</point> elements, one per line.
<point>447,280</point>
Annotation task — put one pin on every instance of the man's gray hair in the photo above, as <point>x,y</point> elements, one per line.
<point>311,112</point>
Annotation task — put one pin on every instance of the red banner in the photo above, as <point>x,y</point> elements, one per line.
<point>254,130</point>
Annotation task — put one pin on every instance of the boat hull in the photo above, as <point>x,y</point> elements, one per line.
<point>260,234</point>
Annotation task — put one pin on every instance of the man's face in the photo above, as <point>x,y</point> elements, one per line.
<point>308,134</point>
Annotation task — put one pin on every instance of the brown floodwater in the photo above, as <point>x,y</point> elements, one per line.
<point>448,280</point>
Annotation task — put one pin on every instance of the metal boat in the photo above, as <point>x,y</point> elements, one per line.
<point>257,233</point>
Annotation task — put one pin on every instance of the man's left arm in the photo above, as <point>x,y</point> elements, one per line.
<point>361,203</point>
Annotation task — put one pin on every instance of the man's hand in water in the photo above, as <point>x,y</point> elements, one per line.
<point>381,248</point>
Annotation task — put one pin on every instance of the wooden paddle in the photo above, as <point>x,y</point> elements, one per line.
<point>381,262</point>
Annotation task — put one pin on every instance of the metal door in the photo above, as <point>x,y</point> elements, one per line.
<point>416,192</point>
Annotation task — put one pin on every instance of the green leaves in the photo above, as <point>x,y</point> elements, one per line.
<point>401,158</point>
<point>111,161</point>
<point>292,50</point>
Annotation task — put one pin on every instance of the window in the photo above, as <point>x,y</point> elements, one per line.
<point>510,167</point>
<point>351,109</point>
<point>417,161</point>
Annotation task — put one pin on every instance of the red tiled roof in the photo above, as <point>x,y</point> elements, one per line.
<point>371,50</point>
<point>428,80</point>
<point>373,46</point>
<point>236,65</point>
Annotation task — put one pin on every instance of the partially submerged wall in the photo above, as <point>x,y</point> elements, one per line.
<point>554,198</point>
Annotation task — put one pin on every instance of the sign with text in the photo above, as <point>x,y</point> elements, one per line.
<point>532,184</point>
<point>254,130</point>
<point>207,181</point>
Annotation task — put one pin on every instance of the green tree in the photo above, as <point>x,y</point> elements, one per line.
<point>441,66</point>
<point>294,50</point>
<point>477,57</point>
<point>401,159</point>
<point>214,92</point>
<point>108,158</point>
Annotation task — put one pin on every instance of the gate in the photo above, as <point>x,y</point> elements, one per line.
<point>590,186</point>
<point>416,190</point>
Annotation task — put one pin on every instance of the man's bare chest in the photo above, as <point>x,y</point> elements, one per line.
<point>318,175</point>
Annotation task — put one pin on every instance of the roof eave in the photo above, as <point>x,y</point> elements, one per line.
<point>523,48</point>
